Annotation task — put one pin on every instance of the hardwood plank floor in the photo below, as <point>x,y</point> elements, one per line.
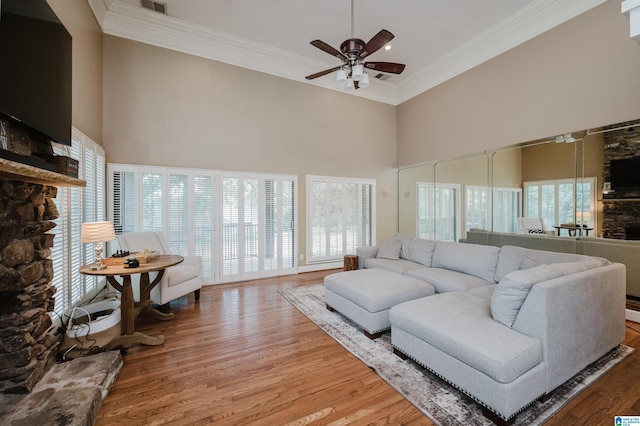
<point>244,355</point>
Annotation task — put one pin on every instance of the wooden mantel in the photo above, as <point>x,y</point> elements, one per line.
<point>26,173</point>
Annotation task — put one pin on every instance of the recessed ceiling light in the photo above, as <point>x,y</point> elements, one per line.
<point>387,47</point>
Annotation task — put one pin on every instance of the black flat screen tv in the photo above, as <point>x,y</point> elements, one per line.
<point>625,174</point>
<point>35,68</point>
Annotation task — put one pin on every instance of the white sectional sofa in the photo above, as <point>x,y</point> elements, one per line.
<point>506,325</point>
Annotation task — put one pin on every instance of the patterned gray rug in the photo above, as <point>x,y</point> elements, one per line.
<point>438,400</point>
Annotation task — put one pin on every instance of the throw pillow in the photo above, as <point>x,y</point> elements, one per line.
<point>528,263</point>
<point>513,289</point>
<point>389,250</point>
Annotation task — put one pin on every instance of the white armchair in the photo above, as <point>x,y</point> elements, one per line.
<point>533,225</point>
<point>178,280</point>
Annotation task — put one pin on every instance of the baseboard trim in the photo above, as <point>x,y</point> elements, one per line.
<point>320,267</point>
<point>632,315</point>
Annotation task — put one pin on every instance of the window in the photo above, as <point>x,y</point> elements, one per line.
<point>556,201</point>
<point>340,216</point>
<point>243,225</point>
<point>76,206</point>
<point>504,211</point>
<point>438,211</point>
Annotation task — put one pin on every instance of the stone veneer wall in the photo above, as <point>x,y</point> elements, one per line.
<point>620,210</point>
<point>27,344</point>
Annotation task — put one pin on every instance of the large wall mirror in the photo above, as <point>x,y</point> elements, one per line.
<point>578,193</point>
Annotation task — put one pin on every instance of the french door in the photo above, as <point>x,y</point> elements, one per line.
<point>242,224</point>
<point>258,222</point>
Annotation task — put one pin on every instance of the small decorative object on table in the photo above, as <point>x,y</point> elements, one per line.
<point>132,263</point>
<point>120,253</point>
<point>146,256</point>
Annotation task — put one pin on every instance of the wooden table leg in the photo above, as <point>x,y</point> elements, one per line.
<point>145,297</point>
<point>127,305</point>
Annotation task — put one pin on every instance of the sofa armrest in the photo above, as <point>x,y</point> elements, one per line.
<point>366,252</point>
<point>193,260</point>
<point>578,317</point>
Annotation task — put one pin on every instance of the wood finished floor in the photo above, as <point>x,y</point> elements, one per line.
<point>244,355</point>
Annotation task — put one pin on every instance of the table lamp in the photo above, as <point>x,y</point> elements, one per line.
<point>97,232</point>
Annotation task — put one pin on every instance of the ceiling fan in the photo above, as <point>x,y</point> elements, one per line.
<point>352,53</point>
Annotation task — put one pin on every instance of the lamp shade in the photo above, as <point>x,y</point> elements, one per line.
<point>357,72</point>
<point>365,81</point>
<point>341,75</point>
<point>349,85</point>
<point>97,232</point>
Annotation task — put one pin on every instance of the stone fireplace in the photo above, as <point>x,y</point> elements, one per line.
<point>34,389</point>
<point>621,210</point>
<point>27,346</point>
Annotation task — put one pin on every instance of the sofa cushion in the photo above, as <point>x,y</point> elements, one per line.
<point>460,324</point>
<point>418,250</point>
<point>444,280</point>
<point>395,265</point>
<point>376,291</point>
<point>510,259</point>
<point>514,288</point>
<point>528,263</point>
<point>472,259</point>
<point>389,249</point>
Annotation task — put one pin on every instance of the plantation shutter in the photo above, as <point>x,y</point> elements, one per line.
<point>123,195</point>
<point>340,216</point>
<point>152,199</point>
<point>75,207</point>
<point>60,255</point>
<point>367,215</point>
<point>179,213</point>
<point>203,221</point>
<point>76,218</point>
<point>230,219</point>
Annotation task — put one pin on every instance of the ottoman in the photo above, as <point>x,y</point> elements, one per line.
<point>365,296</point>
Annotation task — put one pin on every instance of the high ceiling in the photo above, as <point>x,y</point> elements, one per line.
<point>436,39</point>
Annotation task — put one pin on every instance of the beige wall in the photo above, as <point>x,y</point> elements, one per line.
<point>171,109</point>
<point>582,74</point>
<point>79,20</point>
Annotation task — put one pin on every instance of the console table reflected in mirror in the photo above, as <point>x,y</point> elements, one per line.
<point>573,230</point>
<point>129,307</point>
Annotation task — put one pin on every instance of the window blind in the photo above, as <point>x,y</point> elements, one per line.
<point>340,216</point>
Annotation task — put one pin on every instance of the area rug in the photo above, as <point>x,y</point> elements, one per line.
<point>438,400</point>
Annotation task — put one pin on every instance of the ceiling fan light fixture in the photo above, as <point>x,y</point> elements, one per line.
<point>365,81</point>
<point>357,72</point>
<point>341,75</point>
<point>349,84</point>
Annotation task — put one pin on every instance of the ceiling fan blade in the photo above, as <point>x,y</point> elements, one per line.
<point>390,67</point>
<point>328,49</point>
<point>376,42</point>
<point>321,73</point>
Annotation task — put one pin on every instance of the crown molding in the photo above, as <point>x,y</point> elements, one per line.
<point>132,22</point>
<point>538,17</point>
